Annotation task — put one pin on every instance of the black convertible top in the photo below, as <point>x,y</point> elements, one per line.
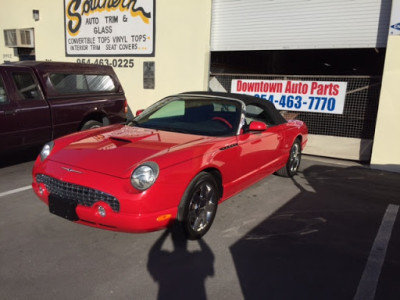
<point>247,99</point>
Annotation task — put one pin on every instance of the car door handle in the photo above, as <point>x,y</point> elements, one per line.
<point>10,112</point>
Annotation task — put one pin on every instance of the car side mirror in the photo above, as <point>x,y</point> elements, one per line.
<point>138,112</point>
<point>257,126</point>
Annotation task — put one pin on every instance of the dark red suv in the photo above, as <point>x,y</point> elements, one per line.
<point>40,101</point>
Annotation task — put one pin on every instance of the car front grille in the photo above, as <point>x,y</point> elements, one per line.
<point>76,193</point>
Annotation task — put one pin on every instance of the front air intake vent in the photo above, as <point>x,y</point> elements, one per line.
<point>76,193</point>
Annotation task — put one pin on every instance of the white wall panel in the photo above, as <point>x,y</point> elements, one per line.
<point>299,24</point>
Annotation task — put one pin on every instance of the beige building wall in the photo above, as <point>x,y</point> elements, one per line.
<point>386,148</point>
<point>12,16</point>
<point>182,54</point>
<point>182,45</point>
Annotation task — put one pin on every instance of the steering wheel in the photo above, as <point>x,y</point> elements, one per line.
<point>223,121</point>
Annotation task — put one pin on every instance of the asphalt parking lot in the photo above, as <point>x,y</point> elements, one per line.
<point>331,232</point>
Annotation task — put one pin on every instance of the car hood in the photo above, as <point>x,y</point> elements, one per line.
<point>118,151</point>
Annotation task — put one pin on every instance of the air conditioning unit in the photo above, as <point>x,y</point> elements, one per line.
<point>19,38</point>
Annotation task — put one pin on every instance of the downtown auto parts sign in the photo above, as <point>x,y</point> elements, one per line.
<point>310,96</point>
<point>109,27</point>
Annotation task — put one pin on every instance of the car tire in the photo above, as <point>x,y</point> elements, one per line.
<point>91,124</point>
<point>292,166</point>
<point>200,205</point>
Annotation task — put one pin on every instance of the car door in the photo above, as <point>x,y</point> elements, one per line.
<point>31,111</point>
<point>8,119</point>
<point>260,152</point>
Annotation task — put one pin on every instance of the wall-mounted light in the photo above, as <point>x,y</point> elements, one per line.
<point>35,14</point>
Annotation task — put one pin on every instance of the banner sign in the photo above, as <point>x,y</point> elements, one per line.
<point>109,27</point>
<point>310,96</point>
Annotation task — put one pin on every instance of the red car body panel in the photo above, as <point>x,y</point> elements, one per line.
<point>104,159</point>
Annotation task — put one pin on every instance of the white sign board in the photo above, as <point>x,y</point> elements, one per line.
<point>310,96</point>
<point>395,18</point>
<point>109,27</point>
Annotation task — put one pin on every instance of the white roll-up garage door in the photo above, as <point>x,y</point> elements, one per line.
<point>299,24</point>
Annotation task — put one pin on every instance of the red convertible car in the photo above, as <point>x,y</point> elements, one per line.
<point>175,161</point>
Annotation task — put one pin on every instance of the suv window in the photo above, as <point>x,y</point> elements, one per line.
<point>3,95</point>
<point>26,86</point>
<point>81,83</point>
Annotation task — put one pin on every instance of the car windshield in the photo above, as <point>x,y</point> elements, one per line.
<point>193,115</point>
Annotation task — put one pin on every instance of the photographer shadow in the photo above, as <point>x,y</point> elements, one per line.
<point>180,273</point>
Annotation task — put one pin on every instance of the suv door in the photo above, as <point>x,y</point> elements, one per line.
<point>31,111</point>
<point>8,118</point>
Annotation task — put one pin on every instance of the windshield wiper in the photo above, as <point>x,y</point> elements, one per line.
<point>172,129</point>
<point>132,123</point>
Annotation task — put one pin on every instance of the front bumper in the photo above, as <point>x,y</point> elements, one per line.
<point>86,204</point>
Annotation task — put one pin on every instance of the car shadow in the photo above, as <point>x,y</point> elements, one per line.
<point>19,156</point>
<point>180,273</point>
<point>316,246</point>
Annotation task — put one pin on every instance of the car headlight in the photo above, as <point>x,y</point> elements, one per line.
<point>145,175</point>
<point>46,150</point>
